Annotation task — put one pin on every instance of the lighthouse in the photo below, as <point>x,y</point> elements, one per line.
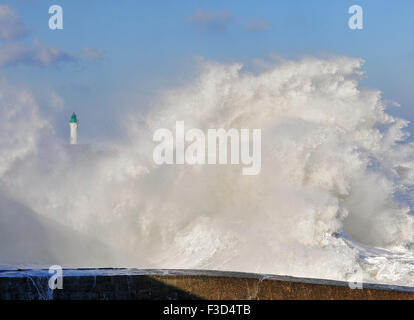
<point>73,123</point>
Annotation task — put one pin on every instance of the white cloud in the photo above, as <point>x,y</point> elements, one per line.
<point>44,55</point>
<point>13,53</point>
<point>11,26</point>
<point>93,54</point>
<point>211,20</point>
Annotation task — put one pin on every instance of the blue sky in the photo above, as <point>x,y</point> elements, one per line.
<point>111,50</point>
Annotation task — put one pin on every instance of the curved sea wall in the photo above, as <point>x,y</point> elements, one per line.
<point>114,284</point>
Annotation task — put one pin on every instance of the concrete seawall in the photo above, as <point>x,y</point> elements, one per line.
<point>98,284</point>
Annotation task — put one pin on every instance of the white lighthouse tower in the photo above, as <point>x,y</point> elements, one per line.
<point>73,123</point>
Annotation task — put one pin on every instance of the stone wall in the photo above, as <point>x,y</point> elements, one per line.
<point>113,284</point>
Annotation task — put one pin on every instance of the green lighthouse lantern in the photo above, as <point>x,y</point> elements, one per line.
<point>73,119</point>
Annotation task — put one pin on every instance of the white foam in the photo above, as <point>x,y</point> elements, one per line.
<point>332,163</point>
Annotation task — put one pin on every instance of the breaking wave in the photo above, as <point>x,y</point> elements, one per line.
<point>329,202</point>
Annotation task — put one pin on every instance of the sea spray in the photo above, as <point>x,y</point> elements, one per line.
<point>333,163</point>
